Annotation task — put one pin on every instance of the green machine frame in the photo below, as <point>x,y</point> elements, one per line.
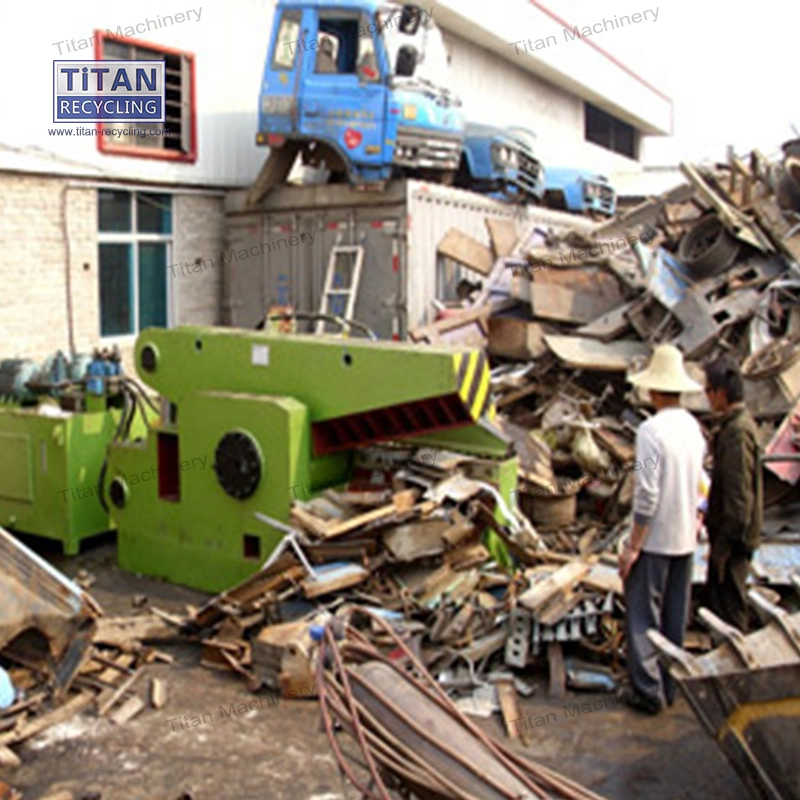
<point>50,465</point>
<point>252,414</point>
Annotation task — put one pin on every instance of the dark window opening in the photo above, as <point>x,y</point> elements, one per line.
<point>169,480</point>
<point>345,47</point>
<point>607,131</point>
<point>135,233</point>
<point>173,138</point>
<point>252,546</point>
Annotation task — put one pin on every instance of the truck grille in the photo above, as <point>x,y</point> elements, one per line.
<point>601,198</point>
<point>421,151</point>
<point>530,171</point>
<point>607,199</point>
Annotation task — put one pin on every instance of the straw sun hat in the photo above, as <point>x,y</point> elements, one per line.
<point>665,372</point>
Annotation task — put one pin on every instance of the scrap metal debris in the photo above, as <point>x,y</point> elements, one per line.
<point>746,694</point>
<point>408,734</point>
<point>62,656</point>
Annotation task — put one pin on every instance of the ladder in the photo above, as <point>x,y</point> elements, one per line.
<point>341,283</point>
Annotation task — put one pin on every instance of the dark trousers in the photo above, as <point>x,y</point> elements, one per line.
<point>657,595</point>
<point>726,587</point>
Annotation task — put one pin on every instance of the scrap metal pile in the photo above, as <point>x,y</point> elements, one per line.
<point>711,266</point>
<point>60,656</point>
<point>407,733</point>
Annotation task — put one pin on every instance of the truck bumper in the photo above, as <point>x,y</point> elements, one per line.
<point>419,149</point>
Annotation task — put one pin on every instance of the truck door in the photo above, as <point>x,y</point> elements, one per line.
<point>280,85</point>
<point>344,92</point>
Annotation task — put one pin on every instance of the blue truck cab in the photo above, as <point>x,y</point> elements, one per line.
<point>579,191</point>
<point>501,163</point>
<point>361,86</point>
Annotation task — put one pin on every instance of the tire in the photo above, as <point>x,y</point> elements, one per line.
<point>707,248</point>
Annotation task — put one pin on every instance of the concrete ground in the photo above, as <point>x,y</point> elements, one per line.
<point>279,752</point>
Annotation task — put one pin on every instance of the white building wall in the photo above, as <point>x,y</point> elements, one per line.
<point>48,234</point>
<point>229,43</point>
<point>544,90</point>
<point>500,93</point>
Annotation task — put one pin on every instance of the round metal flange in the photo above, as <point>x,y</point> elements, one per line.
<point>149,358</point>
<point>237,464</point>
<point>707,248</point>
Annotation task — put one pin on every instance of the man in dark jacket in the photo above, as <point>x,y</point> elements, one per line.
<point>735,502</point>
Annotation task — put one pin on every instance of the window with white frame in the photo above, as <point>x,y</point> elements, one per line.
<point>135,239</point>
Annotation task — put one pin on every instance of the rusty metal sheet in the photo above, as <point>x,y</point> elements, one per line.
<point>38,601</point>
<point>449,743</point>
<point>582,353</point>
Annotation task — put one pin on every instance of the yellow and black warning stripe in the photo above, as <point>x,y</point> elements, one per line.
<point>473,381</point>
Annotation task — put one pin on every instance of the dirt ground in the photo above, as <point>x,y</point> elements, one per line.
<point>279,752</point>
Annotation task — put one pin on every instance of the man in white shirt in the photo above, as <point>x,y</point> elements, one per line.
<point>657,557</point>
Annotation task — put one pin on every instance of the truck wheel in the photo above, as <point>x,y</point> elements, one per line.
<point>707,248</point>
<point>274,172</point>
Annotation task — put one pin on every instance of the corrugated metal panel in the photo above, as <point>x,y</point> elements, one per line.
<point>433,210</point>
<point>399,229</point>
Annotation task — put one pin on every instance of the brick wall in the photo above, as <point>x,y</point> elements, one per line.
<point>33,255</point>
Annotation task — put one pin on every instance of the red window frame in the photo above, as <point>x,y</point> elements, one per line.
<point>106,145</point>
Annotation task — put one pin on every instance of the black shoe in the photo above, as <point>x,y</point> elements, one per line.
<point>640,702</point>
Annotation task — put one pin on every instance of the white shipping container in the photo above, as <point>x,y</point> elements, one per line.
<point>399,230</point>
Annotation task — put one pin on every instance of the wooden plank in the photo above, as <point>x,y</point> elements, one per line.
<point>561,581</point>
<point>123,631</point>
<point>770,217</point>
<point>108,698</point>
<point>466,327</point>
<point>74,706</point>
<point>733,219</point>
<point>518,394</point>
<point>127,711</point>
<point>511,337</point>
<point>120,664</point>
<point>467,251</point>
<point>308,521</point>
<point>558,671</point>
<point>509,706</point>
<point>402,502</point>
<point>504,236</point>
<point>590,354</point>
<point>8,758</point>
<point>333,578</point>
<point>553,302</point>
<point>158,693</point>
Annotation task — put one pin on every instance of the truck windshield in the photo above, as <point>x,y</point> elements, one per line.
<point>432,66</point>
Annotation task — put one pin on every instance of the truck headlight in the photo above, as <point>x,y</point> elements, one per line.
<point>592,191</point>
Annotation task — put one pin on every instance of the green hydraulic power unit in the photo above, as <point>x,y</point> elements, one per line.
<point>56,422</point>
<point>252,414</point>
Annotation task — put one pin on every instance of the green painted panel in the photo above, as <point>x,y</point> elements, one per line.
<point>16,478</point>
